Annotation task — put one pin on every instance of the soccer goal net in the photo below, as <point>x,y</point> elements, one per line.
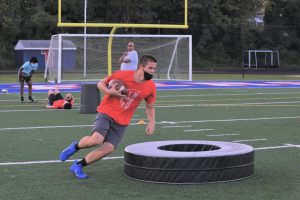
<point>79,57</point>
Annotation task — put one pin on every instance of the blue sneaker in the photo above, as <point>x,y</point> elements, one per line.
<point>69,151</point>
<point>77,170</point>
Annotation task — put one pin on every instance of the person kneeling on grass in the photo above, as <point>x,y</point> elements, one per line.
<point>57,101</point>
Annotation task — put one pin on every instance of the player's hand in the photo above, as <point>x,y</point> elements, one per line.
<point>150,129</point>
<point>48,106</point>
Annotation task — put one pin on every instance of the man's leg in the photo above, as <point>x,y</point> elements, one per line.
<point>31,100</point>
<point>21,91</point>
<point>29,88</point>
<point>93,156</point>
<point>29,83</point>
<point>50,92</point>
<point>99,153</point>
<point>56,91</point>
<point>112,139</point>
<point>86,142</point>
<point>100,124</point>
<point>91,140</point>
<point>101,127</point>
<point>51,97</point>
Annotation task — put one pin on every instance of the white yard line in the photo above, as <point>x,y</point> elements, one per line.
<point>196,130</point>
<point>250,140</point>
<point>37,110</point>
<point>121,157</point>
<point>176,126</point>
<point>33,110</point>
<point>171,106</point>
<point>274,147</point>
<point>162,122</point>
<point>170,96</point>
<point>293,145</point>
<point>235,120</point>
<point>43,127</point>
<point>220,135</point>
<point>52,161</point>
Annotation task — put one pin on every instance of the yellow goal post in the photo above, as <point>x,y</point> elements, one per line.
<point>123,25</point>
<point>115,26</point>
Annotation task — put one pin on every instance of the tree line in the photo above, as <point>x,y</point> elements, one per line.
<point>221,29</point>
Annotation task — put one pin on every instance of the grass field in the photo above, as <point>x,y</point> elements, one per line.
<point>267,119</point>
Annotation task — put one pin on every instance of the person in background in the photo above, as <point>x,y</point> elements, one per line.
<point>57,101</point>
<point>25,74</point>
<point>129,60</point>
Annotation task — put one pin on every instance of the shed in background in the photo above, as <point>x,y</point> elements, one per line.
<point>25,49</point>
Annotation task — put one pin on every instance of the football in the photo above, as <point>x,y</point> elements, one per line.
<point>120,86</point>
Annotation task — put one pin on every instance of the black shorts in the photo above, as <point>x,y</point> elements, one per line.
<point>27,79</point>
<point>109,129</point>
<point>55,97</point>
<point>24,77</point>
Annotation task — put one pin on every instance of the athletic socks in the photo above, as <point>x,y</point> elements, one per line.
<point>82,162</point>
<point>76,146</point>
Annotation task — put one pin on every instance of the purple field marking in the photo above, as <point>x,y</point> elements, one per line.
<point>166,85</point>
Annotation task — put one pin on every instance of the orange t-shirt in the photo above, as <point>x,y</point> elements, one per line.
<point>121,109</point>
<point>59,104</point>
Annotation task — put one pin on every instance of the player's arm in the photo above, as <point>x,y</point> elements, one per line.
<point>124,58</point>
<point>121,59</point>
<point>150,111</point>
<point>48,106</point>
<point>127,58</point>
<point>20,74</point>
<point>102,85</point>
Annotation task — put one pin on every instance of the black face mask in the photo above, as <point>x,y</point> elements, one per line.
<point>147,76</point>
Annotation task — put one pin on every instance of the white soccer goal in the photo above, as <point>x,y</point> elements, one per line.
<point>79,57</point>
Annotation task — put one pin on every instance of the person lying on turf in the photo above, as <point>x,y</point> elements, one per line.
<point>57,101</point>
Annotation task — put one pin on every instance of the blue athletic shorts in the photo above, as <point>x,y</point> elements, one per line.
<point>109,129</point>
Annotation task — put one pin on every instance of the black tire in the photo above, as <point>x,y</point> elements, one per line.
<point>188,161</point>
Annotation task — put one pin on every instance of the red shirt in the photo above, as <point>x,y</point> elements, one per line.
<point>121,109</point>
<point>59,104</point>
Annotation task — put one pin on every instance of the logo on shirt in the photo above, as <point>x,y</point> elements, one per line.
<point>127,100</point>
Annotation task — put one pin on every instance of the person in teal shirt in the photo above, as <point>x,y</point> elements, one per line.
<point>25,74</point>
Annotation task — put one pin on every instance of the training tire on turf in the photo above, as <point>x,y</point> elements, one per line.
<point>188,161</point>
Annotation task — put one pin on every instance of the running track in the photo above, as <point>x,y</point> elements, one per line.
<point>166,85</point>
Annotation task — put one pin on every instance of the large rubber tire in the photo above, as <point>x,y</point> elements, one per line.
<point>188,161</point>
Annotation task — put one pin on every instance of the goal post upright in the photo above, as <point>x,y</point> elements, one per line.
<point>109,51</point>
<point>59,59</point>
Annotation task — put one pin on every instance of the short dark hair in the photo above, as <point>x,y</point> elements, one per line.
<point>33,60</point>
<point>67,105</point>
<point>145,59</point>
